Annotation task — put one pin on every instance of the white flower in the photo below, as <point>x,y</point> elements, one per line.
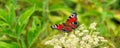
<point>95,43</point>
<point>57,46</point>
<point>77,32</point>
<point>82,38</point>
<point>62,40</point>
<point>82,43</point>
<point>92,26</point>
<point>96,39</point>
<point>81,34</point>
<point>72,36</point>
<point>85,31</point>
<point>82,27</point>
<point>47,42</point>
<point>106,47</point>
<point>87,37</point>
<point>104,40</point>
<point>96,33</point>
<point>91,41</point>
<point>87,46</point>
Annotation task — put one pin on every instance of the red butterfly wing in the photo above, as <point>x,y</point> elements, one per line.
<point>62,27</point>
<point>72,18</point>
<point>67,29</point>
<point>72,21</point>
<point>70,24</point>
<point>58,27</point>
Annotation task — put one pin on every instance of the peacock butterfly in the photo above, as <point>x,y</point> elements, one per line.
<point>69,25</point>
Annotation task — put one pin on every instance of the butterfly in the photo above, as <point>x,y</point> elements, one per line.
<point>69,25</point>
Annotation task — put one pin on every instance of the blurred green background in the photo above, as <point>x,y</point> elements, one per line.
<point>26,23</point>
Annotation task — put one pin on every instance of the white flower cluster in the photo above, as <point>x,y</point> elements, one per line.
<point>80,38</point>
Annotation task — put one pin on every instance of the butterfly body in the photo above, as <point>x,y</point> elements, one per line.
<point>69,25</point>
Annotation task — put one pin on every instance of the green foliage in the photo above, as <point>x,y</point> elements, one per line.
<point>23,20</point>
<point>8,45</point>
<point>26,23</point>
<point>34,32</point>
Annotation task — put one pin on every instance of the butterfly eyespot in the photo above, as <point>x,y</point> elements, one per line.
<point>75,23</point>
<point>53,26</point>
<point>69,25</point>
<point>63,30</point>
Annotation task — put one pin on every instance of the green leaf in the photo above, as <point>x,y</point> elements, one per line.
<point>55,19</point>
<point>6,29</point>
<point>26,15</point>
<point>3,15</point>
<point>109,2</point>
<point>103,30</point>
<point>8,20</point>
<point>11,15</point>
<point>8,45</point>
<point>36,29</point>
<point>14,2</point>
<point>112,27</point>
<point>23,20</point>
<point>59,7</point>
<point>109,14</point>
<point>23,42</point>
